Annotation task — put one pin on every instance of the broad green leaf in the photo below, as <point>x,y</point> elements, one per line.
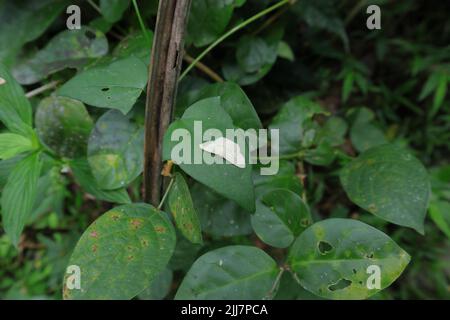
<point>84,177</point>
<point>333,132</point>
<point>234,272</point>
<point>286,178</point>
<point>184,255</point>
<point>281,215</point>
<point>322,155</point>
<point>285,51</point>
<point>116,85</point>
<point>12,144</point>
<point>390,183</point>
<point>15,109</point>
<point>19,195</point>
<point>440,213</point>
<point>63,125</point>
<point>121,252</point>
<point>115,150</point>
<point>112,10</point>
<point>183,211</point>
<point>208,19</point>
<point>135,44</point>
<point>365,136</point>
<point>159,287</point>
<point>68,49</point>
<point>23,21</point>
<point>332,259</point>
<point>209,114</point>
<point>235,102</point>
<point>292,119</point>
<point>219,216</point>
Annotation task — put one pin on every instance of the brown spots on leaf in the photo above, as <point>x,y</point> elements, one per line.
<point>136,223</point>
<point>372,208</point>
<point>160,229</point>
<point>115,216</point>
<point>144,242</point>
<point>94,248</point>
<point>93,234</point>
<point>130,258</point>
<point>370,162</point>
<point>167,169</point>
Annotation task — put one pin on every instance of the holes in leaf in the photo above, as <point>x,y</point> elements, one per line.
<point>324,247</point>
<point>105,89</point>
<point>369,255</point>
<point>354,271</point>
<point>341,284</point>
<point>89,34</point>
<point>304,222</point>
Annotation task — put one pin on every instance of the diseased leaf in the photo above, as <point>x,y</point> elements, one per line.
<point>219,216</point>
<point>15,109</point>
<point>115,150</point>
<point>84,177</point>
<point>19,195</point>
<point>113,10</point>
<point>116,85</point>
<point>121,253</point>
<point>332,258</point>
<point>390,183</point>
<point>234,272</point>
<point>63,125</point>
<point>183,211</point>
<point>68,49</point>
<point>281,215</point>
<point>209,114</point>
<point>12,144</point>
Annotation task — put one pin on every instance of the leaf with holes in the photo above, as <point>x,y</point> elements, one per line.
<point>116,85</point>
<point>334,258</point>
<point>63,125</point>
<point>121,252</point>
<point>390,183</point>
<point>183,211</point>
<point>115,150</point>
<point>234,272</point>
<point>281,215</point>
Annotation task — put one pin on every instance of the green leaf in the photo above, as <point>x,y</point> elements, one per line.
<point>331,259</point>
<point>208,19</point>
<point>121,252</point>
<point>285,51</point>
<point>235,102</point>
<point>68,49</point>
<point>347,86</point>
<point>15,109</point>
<point>390,183</point>
<point>115,150</point>
<point>116,85</point>
<point>159,287</point>
<point>322,155</point>
<point>19,195</point>
<point>84,177</point>
<point>219,177</point>
<point>365,136</point>
<point>135,44</point>
<point>281,215</point>
<point>113,10</point>
<point>292,120</point>
<point>63,125</point>
<point>23,21</point>
<point>7,166</point>
<point>12,144</point>
<point>439,94</point>
<point>183,211</point>
<point>219,216</point>
<point>234,272</point>
<point>440,213</point>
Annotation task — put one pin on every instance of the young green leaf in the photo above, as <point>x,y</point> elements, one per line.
<point>15,109</point>
<point>209,114</point>
<point>440,213</point>
<point>68,49</point>
<point>390,183</point>
<point>281,215</point>
<point>83,176</point>
<point>115,150</point>
<point>63,125</point>
<point>234,272</point>
<point>19,195</point>
<point>183,211</point>
<point>335,259</point>
<point>116,85</point>
<point>121,253</point>
<point>12,144</point>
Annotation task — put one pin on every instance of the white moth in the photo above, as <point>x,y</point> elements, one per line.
<point>226,149</point>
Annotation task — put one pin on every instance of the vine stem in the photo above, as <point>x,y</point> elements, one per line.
<point>41,89</point>
<point>204,68</point>
<point>275,283</point>
<point>166,193</point>
<point>233,31</point>
<point>141,21</point>
<point>93,5</point>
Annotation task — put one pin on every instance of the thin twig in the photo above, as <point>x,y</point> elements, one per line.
<point>44,88</point>
<point>93,5</point>
<point>204,68</point>
<point>271,20</point>
<point>166,193</point>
